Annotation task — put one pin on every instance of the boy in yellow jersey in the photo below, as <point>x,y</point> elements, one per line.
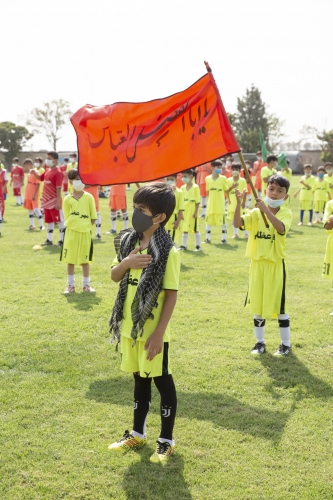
<point>321,193</point>
<point>329,177</point>
<point>80,215</point>
<point>266,248</point>
<point>240,183</point>
<point>147,266</point>
<point>173,224</point>
<point>191,194</point>
<point>306,194</point>
<point>328,225</point>
<point>268,170</point>
<point>287,173</point>
<point>72,164</point>
<point>216,186</point>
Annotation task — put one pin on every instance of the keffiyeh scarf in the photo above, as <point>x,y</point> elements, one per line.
<point>150,283</point>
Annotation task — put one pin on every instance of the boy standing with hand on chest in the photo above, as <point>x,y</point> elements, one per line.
<point>266,248</point>
<point>147,266</point>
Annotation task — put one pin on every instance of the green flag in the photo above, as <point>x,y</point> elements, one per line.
<point>282,160</point>
<point>263,147</point>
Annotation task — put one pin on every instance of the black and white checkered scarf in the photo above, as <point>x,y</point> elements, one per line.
<point>150,283</point>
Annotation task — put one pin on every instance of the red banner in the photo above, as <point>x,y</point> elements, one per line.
<point>137,142</point>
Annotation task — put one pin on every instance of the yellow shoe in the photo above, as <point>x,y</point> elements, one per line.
<point>128,442</point>
<point>162,452</point>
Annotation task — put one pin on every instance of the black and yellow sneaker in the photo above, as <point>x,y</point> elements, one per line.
<point>128,442</point>
<point>162,453</point>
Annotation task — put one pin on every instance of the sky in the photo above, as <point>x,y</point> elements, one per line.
<point>104,51</point>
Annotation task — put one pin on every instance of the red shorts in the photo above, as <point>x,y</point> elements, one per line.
<point>53,215</point>
<point>203,191</point>
<point>17,191</point>
<point>117,202</point>
<point>31,204</point>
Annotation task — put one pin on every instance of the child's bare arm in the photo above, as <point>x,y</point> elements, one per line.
<point>93,221</point>
<point>298,191</point>
<point>134,260</point>
<point>329,223</point>
<point>154,343</point>
<point>238,221</point>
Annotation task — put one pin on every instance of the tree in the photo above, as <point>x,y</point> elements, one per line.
<point>252,116</point>
<point>50,119</point>
<point>12,139</point>
<point>326,139</point>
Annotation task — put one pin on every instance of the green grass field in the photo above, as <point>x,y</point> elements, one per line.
<point>247,427</point>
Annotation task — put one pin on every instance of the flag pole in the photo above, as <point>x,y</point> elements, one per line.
<point>240,154</point>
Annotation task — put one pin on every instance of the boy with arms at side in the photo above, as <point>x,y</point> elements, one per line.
<point>191,194</point>
<point>173,224</point>
<point>240,183</point>
<point>80,215</point>
<point>329,178</point>
<point>202,172</point>
<point>268,170</point>
<point>118,202</point>
<point>51,197</point>
<point>216,186</point>
<point>266,248</point>
<point>31,198</point>
<point>287,173</point>
<point>321,193</point>
<point>249,191</point>
<point>148,266</point>
<point>93,190</point>
<point>328,225</point>
<point>306,194</point>
<point>17,180</point>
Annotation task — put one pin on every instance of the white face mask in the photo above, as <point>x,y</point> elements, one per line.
<point>329,171</point>
<point>36,165</point>
<point>14,164</point>
<point>258,158</point>
<point>228,163</point>
<point>72,160</point>
<point>308,174</point>
<point>78,185</point>
<point>274,203</point>
<point>49,163</point>
<point>235,173</point>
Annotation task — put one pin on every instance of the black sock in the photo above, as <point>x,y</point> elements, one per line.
<point>142,398</point>
<point>166,388</point>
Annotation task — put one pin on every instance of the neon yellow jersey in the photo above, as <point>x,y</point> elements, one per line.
<point>215,189</point>
<point>266,243</point>
<point>307,194</point>
<point>78,213</point>
<point>170,282</point>
<point>328,213</point>
<point>191,196</point>
<point>320,189</point>
<point>241,185</point>
<point>287,174</point>
<point>329,180</point>
<point>266,172</point>
<point>179,195</point>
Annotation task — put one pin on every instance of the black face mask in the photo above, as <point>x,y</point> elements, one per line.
<point>140,221</point>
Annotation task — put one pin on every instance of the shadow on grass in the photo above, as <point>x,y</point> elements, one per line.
<point>290,373</point>
<point>222,410</point>
<point>146,481</point>
<point>185,268</point>
<point>52,249</point>
<point>83,301</point>
<point>225,246</point>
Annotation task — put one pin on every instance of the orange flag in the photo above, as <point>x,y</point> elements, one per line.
<point>137,142</point>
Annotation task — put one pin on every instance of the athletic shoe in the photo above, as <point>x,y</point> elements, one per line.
<point>162,452</point>
<point>300,224</point>
<point>60,243</point>
<point>206,241</point>
<point>246,235</point>
<point>42,228</point>
<point>331,314</point>
<point>69,289</point>
<point>197,249</point>
<point>235,236</point>
<point>309,223</point>
<point>31,228</point>
<point>224,242</point>
<point>47,243</point>
<point>259,348</point>
<point>128,442</point>
<point>283,350</point>
<point>316,221</point>
<point>98,236</point>
<point>112,231</point>
<point>128,189</point>
<point>182,248</point>
<point>87,288</point>
<point>202,215</point>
